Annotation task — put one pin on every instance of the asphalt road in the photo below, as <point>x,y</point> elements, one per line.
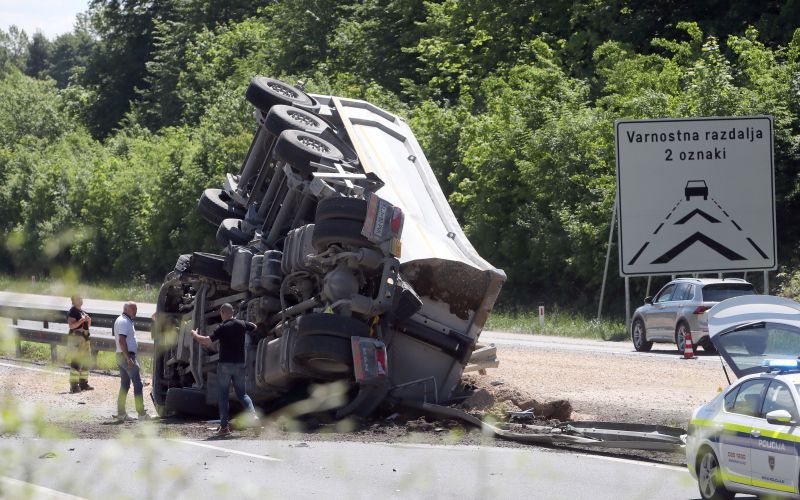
<point>233,468</point>
<point>91,306</point>
<point>544,342</point>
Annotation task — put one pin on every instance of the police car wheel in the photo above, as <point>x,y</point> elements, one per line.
<point>639,337</point>
<point>709,478</point>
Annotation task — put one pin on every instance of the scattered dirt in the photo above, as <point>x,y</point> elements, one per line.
<point>602,386</point>
<point>498,399</point>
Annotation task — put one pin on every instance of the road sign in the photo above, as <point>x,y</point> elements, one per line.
<point>695,195</point>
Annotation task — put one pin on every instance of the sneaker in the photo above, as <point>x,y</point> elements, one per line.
<point>145,416</point>
<point>223,431</point>
<point>86,387</point>
<point>73,388</point>
<point>123,418</point>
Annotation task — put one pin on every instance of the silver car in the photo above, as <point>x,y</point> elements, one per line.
<point>680,308</point>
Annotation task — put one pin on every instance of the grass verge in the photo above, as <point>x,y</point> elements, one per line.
<point>559,324</point>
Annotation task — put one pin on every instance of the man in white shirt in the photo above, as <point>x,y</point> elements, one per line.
<point>127,347</point>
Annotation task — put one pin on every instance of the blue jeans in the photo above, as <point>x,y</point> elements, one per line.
<point>227,373</point>
<point>128,374</point>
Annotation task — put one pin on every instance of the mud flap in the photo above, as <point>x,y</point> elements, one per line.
<point>371,374</point>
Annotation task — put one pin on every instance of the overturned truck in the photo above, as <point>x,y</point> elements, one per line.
<point>337,241</point>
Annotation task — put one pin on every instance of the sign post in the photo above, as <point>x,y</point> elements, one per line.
<point>695,195</point>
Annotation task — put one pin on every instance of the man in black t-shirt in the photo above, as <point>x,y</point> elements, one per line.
<point>230,368</point>
<point>80,354</point>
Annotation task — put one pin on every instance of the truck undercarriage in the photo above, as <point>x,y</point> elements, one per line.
<point>337,241</point>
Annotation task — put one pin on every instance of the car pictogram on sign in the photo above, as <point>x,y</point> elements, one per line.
<point>696,188</point>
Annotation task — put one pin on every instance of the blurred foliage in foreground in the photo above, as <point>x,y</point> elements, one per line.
<point>108,134</point>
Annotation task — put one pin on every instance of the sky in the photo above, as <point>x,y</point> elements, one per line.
<point>51,17</point>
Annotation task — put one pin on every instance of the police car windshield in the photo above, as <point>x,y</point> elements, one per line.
<point>746,347</point>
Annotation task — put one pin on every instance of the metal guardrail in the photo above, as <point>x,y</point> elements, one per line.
<point>46,314</point>
<point>97,343</point>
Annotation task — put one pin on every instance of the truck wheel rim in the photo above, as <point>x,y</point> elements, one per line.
<point>312,144</point>
<point>305,120</point>
<point>280,89</point>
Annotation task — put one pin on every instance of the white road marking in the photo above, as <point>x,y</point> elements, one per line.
<point>30,368</point>
<point>20,489</point>
<point>544,450</point>
<point>226,450</point>
<point>636,462</point>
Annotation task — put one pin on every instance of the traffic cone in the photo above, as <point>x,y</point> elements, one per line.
<point>688,349</point>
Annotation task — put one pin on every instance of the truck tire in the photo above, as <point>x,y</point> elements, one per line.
<point>183,401</point>
<point>341,208</point>
<point>338,231</point>
<point>230,231</point>
<point>209,265</point>
<point>264,93</point>
<point>299,149</point>
<point>215,206</point>
<point>325,355</point>
<point>348,152</point>
<point>282,117</point>
<point>331,325</point>
<point>158,393</point>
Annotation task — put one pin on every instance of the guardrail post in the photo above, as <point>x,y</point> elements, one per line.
<point>46,324</point>
<point>18,347</point>
<point>53,352</point>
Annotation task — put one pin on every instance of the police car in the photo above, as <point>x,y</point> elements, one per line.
<point>747,439</point>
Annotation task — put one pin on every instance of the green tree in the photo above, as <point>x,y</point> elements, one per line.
<point>39,53</point>
<point>70,53</point>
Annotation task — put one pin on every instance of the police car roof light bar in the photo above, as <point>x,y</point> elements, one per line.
<point>782,365</point>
